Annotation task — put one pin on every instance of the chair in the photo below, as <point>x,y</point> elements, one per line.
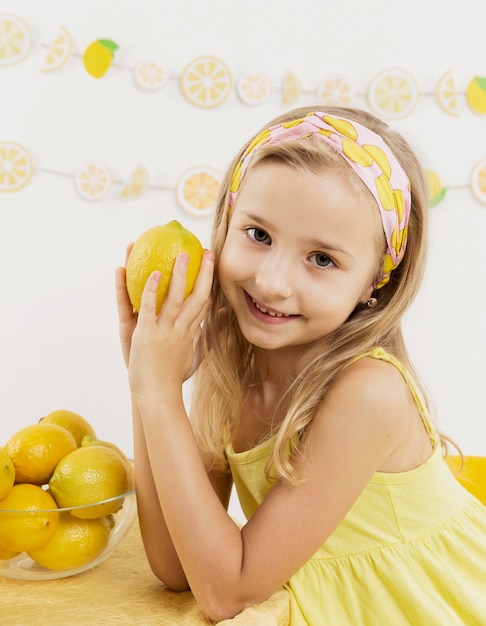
<point>470,471</point>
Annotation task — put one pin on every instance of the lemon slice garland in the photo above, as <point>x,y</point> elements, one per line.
<point>196,190</point>
<point>207,82</point>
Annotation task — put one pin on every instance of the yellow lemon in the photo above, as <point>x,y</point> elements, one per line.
<point>88,475</point>
<point>75,542</point>
<point>476,94</point>
<point>72,422</point>
<point>28,518</point>
<point>157,249</point>
<point>98,56</point>
<point>6,554</point>
<point>37,449</point>
<point>91,440</point>
<point>7,473</point>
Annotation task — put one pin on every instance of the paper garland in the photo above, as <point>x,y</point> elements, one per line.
<point>196,190</point>
<point>206,81</point>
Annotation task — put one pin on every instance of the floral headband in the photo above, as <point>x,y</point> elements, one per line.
<point>368,155</point>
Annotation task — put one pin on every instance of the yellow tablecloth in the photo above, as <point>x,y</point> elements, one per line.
<point>121,591</point>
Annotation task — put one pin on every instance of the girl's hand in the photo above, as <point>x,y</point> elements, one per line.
<point>164,348</point>
<point>127,316</point>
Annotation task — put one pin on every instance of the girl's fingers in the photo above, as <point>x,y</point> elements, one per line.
<point>175,294</point>
<point>148,303</point>
<point>125,308</point>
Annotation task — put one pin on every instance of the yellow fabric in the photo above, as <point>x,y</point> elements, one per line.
<point>121,591</point>
<point>411,551</point>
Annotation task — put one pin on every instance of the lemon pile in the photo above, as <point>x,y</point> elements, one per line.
<point>53,465</point>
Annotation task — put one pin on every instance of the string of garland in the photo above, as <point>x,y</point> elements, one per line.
<point>196,190</point>
<point>206,81</point>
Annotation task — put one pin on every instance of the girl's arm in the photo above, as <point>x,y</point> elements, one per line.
<point>358,427</point>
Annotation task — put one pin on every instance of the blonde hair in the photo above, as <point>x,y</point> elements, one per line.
<point>228,368</point>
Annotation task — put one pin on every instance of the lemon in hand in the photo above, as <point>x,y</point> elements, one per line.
<point>88,475</point>
<point>157,249</point>
<point>21,527</point>
<point>7,473</point>
<point>74,423</point>
<point>36,450</point>
<point>74,543</point>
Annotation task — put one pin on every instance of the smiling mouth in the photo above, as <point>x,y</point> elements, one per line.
<point>262,309</point>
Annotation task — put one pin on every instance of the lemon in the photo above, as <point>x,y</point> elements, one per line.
<point>74,423</point>
<point>75,542</point>
<point>88,475</point>
<point>6,554</point>
<point>91,440</point>
<point>476,94</point>
<point>98,56</point>
<point>22,528</point>
<point>37,449</point>
<point>7,473</point>
<point>157,249</point>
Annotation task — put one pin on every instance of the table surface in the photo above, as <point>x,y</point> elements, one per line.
<point>120,591</point>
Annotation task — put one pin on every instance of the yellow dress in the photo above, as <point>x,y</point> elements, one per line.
<point>410,552</point>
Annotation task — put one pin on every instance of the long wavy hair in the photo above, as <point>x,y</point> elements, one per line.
<point>228,369</point>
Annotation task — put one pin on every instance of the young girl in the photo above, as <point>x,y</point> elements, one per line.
<point>304,395</point>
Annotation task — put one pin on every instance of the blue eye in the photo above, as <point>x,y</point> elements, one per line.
<point>258,235</point>
<point>322,260</point>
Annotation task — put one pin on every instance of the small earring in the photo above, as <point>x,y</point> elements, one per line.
<point>372,302</point>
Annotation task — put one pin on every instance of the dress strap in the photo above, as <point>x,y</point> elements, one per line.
<point>382,355</point>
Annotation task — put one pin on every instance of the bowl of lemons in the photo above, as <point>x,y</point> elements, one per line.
<point>67,499</point>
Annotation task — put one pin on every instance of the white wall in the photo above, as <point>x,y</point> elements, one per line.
<point>58,326</point>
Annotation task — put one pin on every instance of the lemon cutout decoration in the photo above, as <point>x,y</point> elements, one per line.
<point>98,56</point>
<point>476,94</point>
<point>254,88</point>
<point>92,180</point>
<point>16,166</point>
<point>292,88</point>
<point>478,181</point>
<point>393,93</point>
<point>137,185</point>
<point>197,190</point>
<point>150,75</point>
<point>446,95</point>
<point>206,82</point>
<point>335,90</point>
<point>59,51</point>
<point>15,39</point>
<point>437,192</point>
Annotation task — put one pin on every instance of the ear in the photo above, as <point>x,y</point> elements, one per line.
<point>366,295</point>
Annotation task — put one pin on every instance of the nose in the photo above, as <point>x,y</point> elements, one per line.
<point>274,275</point>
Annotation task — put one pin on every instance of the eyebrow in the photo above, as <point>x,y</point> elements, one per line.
<point>313,243</point>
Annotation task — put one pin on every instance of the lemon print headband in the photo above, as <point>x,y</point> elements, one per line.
<point>368,155</point>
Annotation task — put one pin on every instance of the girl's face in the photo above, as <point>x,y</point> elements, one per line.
<point>301,252</point>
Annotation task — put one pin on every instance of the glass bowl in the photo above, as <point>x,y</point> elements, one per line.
<point>23,567</point>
